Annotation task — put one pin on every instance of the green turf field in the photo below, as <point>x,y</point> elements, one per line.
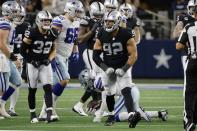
<point>70,121</point>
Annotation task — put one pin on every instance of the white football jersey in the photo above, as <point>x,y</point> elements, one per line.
<point>67,37</point>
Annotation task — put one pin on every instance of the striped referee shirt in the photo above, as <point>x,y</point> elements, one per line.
<point>188,38</point>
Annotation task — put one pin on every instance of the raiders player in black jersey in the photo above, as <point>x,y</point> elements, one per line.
<point>129,20</point>
<point>38,50</point>
<point>119,54</point>
<point>87,34</point>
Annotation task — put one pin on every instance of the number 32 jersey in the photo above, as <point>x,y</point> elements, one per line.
<point>115,52</point>
<point>67,37</point>
<point>41,44</point>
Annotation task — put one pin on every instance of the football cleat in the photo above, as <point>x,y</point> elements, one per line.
<point>51,119</point>
<point>190,127</point>
<point>42,116</point>
<point>79,110</point>
<point>34,120</point>
<point>1,117</point>
<point>110,120</point>
<point>143,114</point>
<point>163,115</point>
<point>134,119</point>
<point>12,113</point>
<point>97,119</point>
<point>4,113</point>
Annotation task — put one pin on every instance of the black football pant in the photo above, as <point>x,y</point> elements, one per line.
<point>190,107</point>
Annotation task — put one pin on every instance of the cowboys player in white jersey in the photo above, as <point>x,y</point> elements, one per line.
<point>66,46</point>
<point>9,72</point>
<point>89,27</point>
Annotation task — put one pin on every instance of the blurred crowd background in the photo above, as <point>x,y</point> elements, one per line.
<point>158,16</point>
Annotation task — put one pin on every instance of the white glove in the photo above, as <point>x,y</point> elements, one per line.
<point>119,72</point>
<point>109,71</point>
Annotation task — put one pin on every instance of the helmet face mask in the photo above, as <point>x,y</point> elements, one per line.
<point>43,20</point>
<point>21,17</point>
<point>97,11</point>
<point>112,21</point>
<point>126,10</point>
<point>111,5</point>
<point>191,8</point>
<point>86,79</point>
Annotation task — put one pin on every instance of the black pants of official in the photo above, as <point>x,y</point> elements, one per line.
<point>190,109</point>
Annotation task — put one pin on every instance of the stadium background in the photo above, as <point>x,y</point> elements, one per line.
<point>157,55</point>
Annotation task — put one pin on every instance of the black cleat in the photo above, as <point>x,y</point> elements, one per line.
<point>190,127</point>
<point>12,113</point>
<point>163,115</point>
<point>134,119</point>
<point>110,120</point>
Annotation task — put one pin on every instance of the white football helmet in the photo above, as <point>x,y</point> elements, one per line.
<point>112,16</point>
<point>11,9</point>
<point>21,17</point>
<point>111,5</point>
<point>191,7</point>
<point>126,10</point>
<point>86,79</point>
<point>73,7</point>
<point>43,20</point>
<point>97,11</point>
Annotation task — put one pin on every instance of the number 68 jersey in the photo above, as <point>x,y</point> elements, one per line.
<point>41,44</point>
<point>67,37</point>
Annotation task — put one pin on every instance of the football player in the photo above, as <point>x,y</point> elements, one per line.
<point>87,34</point>
<point>19,34</point>
<point>111,5</point>
<point>119,54</point>
<point>9,72</point>
<point>66,44</point>
<point>38,50</point>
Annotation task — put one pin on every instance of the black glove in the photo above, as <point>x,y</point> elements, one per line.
<point>46,62</point>
<point>36,64</point>
<point>13,57</point>
<point>95,26</point>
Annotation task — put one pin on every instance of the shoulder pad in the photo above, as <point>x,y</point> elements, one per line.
<point>57,21</point>
<point>5,24</point>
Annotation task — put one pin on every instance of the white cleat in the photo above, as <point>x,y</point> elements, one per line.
<point>42,116</point>
<point>34,120</point>
<point>163,114</point>
<point>97,119</point>
<point>79,110</point>
<point>55,116</point>
<point>1,117</point>
<point>143,114</point>
<point>4,113</point>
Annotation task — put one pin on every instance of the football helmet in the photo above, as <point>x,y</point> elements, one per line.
<point>97,11</point>
<point>110,5</point>
<point>73,7</point>
<point>11,9</point>
<point>191,7</point>
<point>113,16</point>
<point>126,10</point>
<point>86,79</point>
<point>43,20</point>
<point>21,17</point>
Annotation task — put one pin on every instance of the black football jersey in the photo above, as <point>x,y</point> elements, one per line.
<point>185,18</point>
<point>19,35</point>
<point>115,52</point>
<point>41,44</point>
<point>132,23</point>
<point>87,22</point>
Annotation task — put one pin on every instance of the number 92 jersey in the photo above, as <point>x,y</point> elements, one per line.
<point>68,35</point>
<point>41,44</point>
<point>115,52</point>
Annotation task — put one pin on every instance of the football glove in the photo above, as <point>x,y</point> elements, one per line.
<point>36,64</point>
<point>74,57</point>
<point>95,26</point>
<point>13,57</point>
<point>119,72</point>
<point>93,106</point>
<point>46,62</point>
<point>109,71</point>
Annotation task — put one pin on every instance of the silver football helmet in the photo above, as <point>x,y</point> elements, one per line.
<point>109,17</point>
<point>97,11</point>
<point>73,7</point>
<point>86,79</point>
<point>111,5</point>
<point>21,17</point>
<point>11,9</point>
<point>43,20</point>
<point>126,10</point>
<point>191,7</point>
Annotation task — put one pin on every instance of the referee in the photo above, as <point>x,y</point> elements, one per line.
<point>188,40</point>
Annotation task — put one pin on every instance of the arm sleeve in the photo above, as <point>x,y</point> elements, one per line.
<point>183,38</point>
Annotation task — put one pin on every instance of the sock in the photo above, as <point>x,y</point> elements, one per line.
<point>13,99</point>
<point>128,100</point>
<point>152,113</point>
<point>32,98</point>
<point>122,116</point>
<point>103,104</point>
<point>8,93</point>
<point>79,104</point>
<point>48,95</point>
<point>110,100</point>
<point>58,89</point>
<point>85,96</point>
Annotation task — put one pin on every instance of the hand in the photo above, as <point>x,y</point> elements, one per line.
<point>46,62</point>
<point>94,27</point>
<point>119,72</point>
<point>109,71</point>
<point>18,64</point>
<point>13,57</point>
<point>74,57</point>
<point>36,64</point>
